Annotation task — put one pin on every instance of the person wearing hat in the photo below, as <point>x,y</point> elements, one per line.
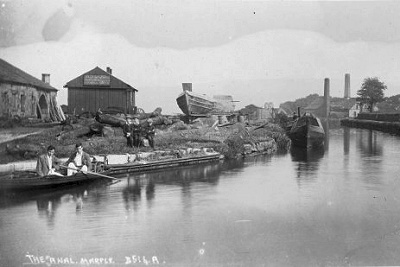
<point>136,130</point>
<point>150,132</point>
<point>78,161</point>
<point>127,129</point>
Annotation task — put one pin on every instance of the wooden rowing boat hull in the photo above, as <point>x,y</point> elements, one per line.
<point>29,180</point>
<point>160,164</point>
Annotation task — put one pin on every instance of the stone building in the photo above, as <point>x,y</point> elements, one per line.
<point>24,96</point>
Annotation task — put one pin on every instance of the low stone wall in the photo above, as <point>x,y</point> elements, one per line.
<point>388,117</point>
<point>383,126</point>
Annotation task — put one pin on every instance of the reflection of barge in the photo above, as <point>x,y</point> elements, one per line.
<point>193,104</point>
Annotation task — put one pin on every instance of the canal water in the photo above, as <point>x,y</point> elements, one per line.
<point>336,206</point>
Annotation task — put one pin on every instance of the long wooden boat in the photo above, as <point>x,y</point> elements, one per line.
<point>307,131</point>
<point>160,164</point>
<point>193,104</point>
<point>30,180</point>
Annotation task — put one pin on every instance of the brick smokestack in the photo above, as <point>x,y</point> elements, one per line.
<point>347,85</point>
<point>187,87</point>
<point>327,102</point>
<point>46,78</point>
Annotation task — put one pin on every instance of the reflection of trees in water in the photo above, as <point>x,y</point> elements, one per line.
<point>307,163</point>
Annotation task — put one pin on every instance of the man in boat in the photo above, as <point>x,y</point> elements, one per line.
<point>78,161</point>
<point>127,129</point>
<point>136,132</point>
<point>294,117</point>
<point>48,163</point>
<point>150,132</point>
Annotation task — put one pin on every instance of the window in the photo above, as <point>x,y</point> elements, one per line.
<point>23,99</point>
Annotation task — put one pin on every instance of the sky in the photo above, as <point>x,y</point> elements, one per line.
<point>256,51</point>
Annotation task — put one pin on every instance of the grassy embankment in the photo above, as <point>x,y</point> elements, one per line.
<point>228,140</point>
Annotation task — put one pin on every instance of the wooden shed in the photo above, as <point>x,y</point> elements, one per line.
<point>24,96</point>
<point>99,89</point>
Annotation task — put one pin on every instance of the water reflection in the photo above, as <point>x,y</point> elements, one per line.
<point>182,176</point>
<point>325,125</point>
<point>367,143</point>
<point>132,192</point>
<point>307,163</point>
<point>346,140</point>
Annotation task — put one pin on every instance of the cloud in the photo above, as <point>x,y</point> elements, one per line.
<point>271,66</point>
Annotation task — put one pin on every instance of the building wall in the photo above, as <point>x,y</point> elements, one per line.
<point>82,100</point>
<point>24,101</point>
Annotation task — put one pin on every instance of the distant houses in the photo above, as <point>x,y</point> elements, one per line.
<point>24,96</point>
<point>99,89</point>
<point>334,107</point>
<point>339,107</point>
<point>253,112</point>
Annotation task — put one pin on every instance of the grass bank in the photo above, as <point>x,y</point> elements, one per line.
<point>229,140</point>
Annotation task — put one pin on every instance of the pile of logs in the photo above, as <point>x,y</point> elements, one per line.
<point>104,124</point>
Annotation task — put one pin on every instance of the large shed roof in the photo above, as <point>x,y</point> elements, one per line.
<point>112,82</point>
<point>11,74</point>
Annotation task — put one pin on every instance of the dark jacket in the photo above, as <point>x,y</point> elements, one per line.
<point>42,165</point>
<point>127,128</point>
<point>149,130</point>
<point>136,129</point>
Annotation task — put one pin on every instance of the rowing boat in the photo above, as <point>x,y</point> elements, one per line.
<point>30,180</point>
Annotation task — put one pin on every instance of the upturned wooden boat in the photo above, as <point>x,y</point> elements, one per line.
<point>193,104</point>
<point>30,180</point>
<point>307,131</point>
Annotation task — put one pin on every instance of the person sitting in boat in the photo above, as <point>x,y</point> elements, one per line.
<point>127,129</point>
<point>48,163</point>
<point>78,161</point>
<point>150,132</point>
<point>136,132</point>
<point>294,117</point>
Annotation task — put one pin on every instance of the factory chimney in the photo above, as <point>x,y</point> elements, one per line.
<point>327,101</point>
<point>347,85</point>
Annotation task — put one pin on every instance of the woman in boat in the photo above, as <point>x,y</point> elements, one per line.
<point>78,161</point>
<point>48,163</point>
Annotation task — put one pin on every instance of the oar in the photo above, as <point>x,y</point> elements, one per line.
<point>93,173</point>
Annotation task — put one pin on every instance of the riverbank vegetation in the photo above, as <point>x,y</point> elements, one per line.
<point>229,140</point>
